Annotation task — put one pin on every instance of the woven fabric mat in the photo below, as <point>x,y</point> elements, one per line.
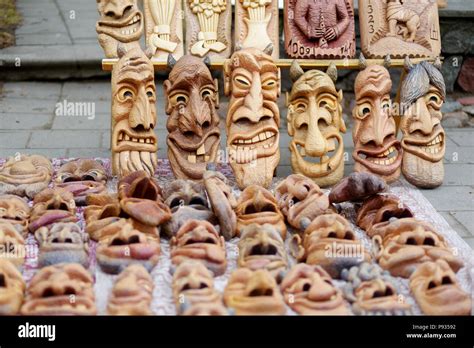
<point>162,296</point>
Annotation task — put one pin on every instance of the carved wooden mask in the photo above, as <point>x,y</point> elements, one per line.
<point>309,290</point>
<point>399,28</point>
<point>16,211</point>
<point>134,143</point>
<point>121,21</point>
<point>50,291</point>
<point>164,28</point>
<point>12,244</point>
<point>437,291</point>
<point>319,29</point>
<point>356,187</point>
<point>402,245</point>
<point>376,148</point>
<point>315,124</point>
<point>422,95</point>
<point>192,98</point>
<point>25,175</point>
<point>252,80</point>
<point>12,287</point>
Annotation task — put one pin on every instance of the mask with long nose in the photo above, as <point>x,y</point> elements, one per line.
<point>252,80</point>
<point>376,148</point>
<point>422,96</point>
<point>191,96</point>
<point>134,143</point>
<point>315,124</point>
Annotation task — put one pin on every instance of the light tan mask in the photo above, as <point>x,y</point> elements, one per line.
<point>12,287</point>
<point>12,245</point>
<point>16,211</point>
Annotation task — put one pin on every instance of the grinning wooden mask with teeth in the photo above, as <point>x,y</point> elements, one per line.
<point>252,80</point>
<point>192,100</point>
<point>315,124</point>
<point>121,21</point>
<point>376,148</point>
<point>422,96</point>
<point>134,143</point>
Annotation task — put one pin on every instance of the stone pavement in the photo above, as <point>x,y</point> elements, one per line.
<point>28,123</point>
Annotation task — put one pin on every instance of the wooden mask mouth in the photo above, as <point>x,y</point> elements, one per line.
<point>384,160</point>
<point>430,148</point>
<point>126,29</point>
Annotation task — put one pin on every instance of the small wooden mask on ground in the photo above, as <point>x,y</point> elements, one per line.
<point>121,21</point>
<point>309,290</point>
<point>25,175</point>
<point>424,141</point>
<point>252,80</point>
<point>376,148</point>
<point>16,211</point>
<point>315,124</point>
<point>134,143</point>
<point>12,287</point>
<point>319,29</point>
<point>12,245</point>
<point>192,99</point>
<point>356,187</point>
<point>437,291</point>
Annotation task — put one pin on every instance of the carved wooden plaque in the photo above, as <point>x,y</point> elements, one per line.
<point>399,28</point>
<point>319,28</point>
<point>164,28</point>
<point>256,25</point>
<point>208,28</point>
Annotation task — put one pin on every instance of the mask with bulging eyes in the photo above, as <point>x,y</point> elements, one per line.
<point>376,148</point>
<point>309,290</point>
<point>192,99</point>
<point>50,291</point>
<point>261,247</point>
<point>132,292</point>
<point>402,245</point>
<point>300,198</point>
<point>50,206</point>
<point>198,240</point>
<point>257,205</point>
<point>424,141</point>
<point>193,284</point>
<point>16,211</point>
<point>12,244</point>
<point>63,242</point>
<point>25,175</point>
<point>330,242</point>
<point>437,291</point>
<point>121,21</point>
<point>253,293</point>
<point>373,292</point>
<point>315,124</point>
<point>82,177</point>
<point>252,80</point>
<point>12,287</point>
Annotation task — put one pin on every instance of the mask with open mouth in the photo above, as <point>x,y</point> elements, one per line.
<point>330,242</point>
<point>376,148</point>
<point>50,206</point>
<point>121,21</point>
<point>300,198</point>
<point>199,241</point>
<point>193,284</point>
<point>50,291</point>
<point>309,290</point>
<point>437,291</point>
<point>12,244</point>
<point>82,177</point>
<point>192,100</point>
<point>257,205</point>
<point>16,211</point>
<point>132,292</point>
<point>372,291</point>
<point>12,287</point>
<point>422,95</point>
<point>253,293</point>
<point>63,242</point>
<point>403,245</point>
<point>134,143</point>
<point>315,124</point>
<point>25,175</point>
<point>252,80</point>
<point>261,247</point>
